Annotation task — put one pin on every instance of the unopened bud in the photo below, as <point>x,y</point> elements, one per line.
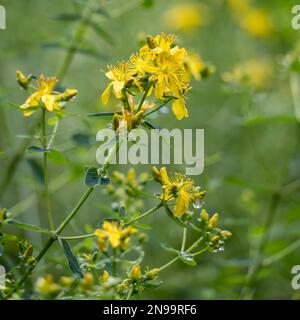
<point>116,122</point>
<point>204,215</point>
<point>22,80</point>
<point>105,276</point>
<point>226,234</point>
<point>156,174</point>
<point>150,42</point>
<point>214,220</point>
<point>151,274</point>
<point>135,273</point>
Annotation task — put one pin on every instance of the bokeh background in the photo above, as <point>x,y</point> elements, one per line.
<point>250,116</point>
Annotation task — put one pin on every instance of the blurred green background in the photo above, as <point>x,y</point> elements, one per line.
<point>251,134</point>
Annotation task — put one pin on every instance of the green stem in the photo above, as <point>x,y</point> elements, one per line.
<point>248,291</point>
<point>78,37</point>
<point>85,236</point>
<point>143,98</point>
<point>46,173</point>
<point>193,246</point>
<point>144,215</point>
<point>183,239</point>
<point>158,108</point>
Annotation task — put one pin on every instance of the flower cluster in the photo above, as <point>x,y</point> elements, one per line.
<point>160,68</point>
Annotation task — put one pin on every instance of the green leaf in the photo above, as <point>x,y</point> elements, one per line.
<point>104,181</point>
<point>152,284</point>
<point>101,115</point>
<point>83,139</point>
<point>8,237</point>
<point>33,149</point>
<point>68,17</point>
<point>187,258</point>
<point>56,156</point>
<point>73,263</point>
<point>92,178</point>
<point>1,250</point>
<point>37,170</point>
<point>27,226</point>
<point>142,226</point>
<point>176,220</point>
<point>170,249</point>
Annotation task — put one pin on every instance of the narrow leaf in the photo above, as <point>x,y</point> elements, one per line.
<point>73,263</point>
<point>27,226</point>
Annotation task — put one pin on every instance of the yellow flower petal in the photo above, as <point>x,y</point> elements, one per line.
<point>106,94</point>
<point>49,101</point>
<point>164,176</point>
<point>182,203</point>
<point>179,108</point>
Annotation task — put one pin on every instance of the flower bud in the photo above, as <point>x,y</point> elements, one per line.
<point>151,274</point>
<point>135,273</point>
<point>88,280</point>
<point>69,94</point>
<point>105,276</point>
<point>116,122</point>
<point>156,174</point>
<point>226,234</point>
<point>214,220</point>
<point>150,42</point>
<point>215,239</point>
<point>204,215</point>
<point>22,80</point>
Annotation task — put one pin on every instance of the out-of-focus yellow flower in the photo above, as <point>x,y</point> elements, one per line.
<point>256,73</point>
<point>254,20</point>
<point>239,7</point>
<point>65,281</point>
<point>46,285</point>
<point>105,276</point>
<point>45,97</point>
<point>88,280</point>
<point>186,16</point>
<point>117,236</point>
<point>181,189</point>
<point>257,23</point>
<point>135,273</point>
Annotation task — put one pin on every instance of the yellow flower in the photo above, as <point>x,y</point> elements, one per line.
<point>256,73</point>
<point>186,16</point>
<point>135,273</point>
<point>47,286</point>
<point>105,276</point>
<point>119,75</point>
<point>181,189</point>
<point>257,23</point>
<point>117,236</point>
<point>45,97</point>
<point>159,65</point>
<point>88,280</point>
